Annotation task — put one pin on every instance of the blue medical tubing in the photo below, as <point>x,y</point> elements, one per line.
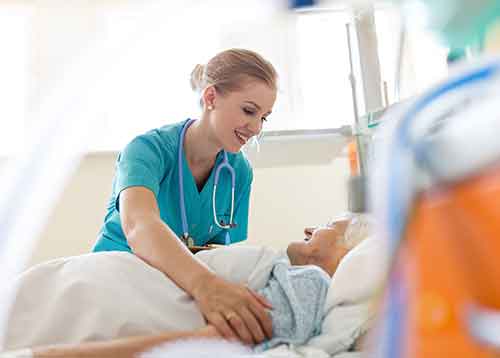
<point>224,164</point>
<point>396,312</point>
<point>398,209</point>
<point>185,231</point>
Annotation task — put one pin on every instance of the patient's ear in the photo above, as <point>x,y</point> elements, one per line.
<point>331,262</point>
<point>328,248</point>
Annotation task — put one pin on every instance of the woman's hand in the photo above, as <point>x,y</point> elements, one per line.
<point>234,310</point>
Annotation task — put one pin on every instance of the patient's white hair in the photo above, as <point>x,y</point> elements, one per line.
<point>200,348</point>
<point>361,225</point>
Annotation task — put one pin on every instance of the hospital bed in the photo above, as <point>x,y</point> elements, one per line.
<point>85,298</point>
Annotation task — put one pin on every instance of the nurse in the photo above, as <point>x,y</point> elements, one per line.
<point>168,169</point>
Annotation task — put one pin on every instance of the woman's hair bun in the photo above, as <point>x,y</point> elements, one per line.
<point>197,77</point>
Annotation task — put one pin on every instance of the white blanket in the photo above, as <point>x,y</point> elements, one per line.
<point>109,295</point>
<point>115,294</point>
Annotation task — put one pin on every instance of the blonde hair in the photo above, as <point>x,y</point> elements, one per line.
<point>229,70</point>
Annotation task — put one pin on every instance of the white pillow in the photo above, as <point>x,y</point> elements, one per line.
<point>359,273</point>
<point>348,308</point>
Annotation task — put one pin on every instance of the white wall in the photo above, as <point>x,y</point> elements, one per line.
<point>284,200</point>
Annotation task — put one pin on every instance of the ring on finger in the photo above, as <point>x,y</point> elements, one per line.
<point>229,315</point>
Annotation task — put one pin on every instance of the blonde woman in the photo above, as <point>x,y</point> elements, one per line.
<point>187,184</point>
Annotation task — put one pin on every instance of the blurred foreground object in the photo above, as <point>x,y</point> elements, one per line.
<point>460,23</point>
<point>437,196</point>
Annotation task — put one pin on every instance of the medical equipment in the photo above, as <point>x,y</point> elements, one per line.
<point>459,22</point>
<point>356,184</point>
<point>440,210</point>
<point>186,238</point>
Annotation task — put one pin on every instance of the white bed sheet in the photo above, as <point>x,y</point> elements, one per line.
<point>84,298</point>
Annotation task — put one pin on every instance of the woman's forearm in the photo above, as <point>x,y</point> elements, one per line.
<point>154,242</point>
<point>119,348</point>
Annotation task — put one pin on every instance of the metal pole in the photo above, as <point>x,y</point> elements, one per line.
<point>352,80</point>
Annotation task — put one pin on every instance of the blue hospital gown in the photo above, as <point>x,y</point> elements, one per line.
<point>298,295</point>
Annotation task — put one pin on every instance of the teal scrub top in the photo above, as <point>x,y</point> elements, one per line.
<point>150,161</point>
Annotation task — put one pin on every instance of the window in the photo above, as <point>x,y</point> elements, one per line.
<point>424,63</point>
<point>310,51</point>
<point>149,85</point>
<point>152,80</point>
<point>147,50</point>
<point>323,71</point>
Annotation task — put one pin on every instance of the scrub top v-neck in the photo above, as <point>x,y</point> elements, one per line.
<point>150,160</point>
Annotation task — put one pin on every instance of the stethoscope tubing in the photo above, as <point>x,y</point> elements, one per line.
<point>224,165</point>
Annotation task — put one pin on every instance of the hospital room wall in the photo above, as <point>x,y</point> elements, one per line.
<point>284,200</point>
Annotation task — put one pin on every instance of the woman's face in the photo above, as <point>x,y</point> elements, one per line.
<point>239,115</point>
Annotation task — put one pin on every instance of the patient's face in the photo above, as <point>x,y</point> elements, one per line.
<point>325,248</point>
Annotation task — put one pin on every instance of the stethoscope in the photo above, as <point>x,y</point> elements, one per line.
<point>186,238</point>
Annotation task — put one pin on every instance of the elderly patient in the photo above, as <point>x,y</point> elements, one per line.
<point>297,290</point>
<point>299,283</point>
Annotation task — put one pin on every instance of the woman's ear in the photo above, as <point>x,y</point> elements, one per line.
<point>208,96</point>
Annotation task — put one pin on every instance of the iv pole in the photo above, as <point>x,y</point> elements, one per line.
<point>356,184</point>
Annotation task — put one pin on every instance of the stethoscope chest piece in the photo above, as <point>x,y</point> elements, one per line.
<point>188,240</point>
